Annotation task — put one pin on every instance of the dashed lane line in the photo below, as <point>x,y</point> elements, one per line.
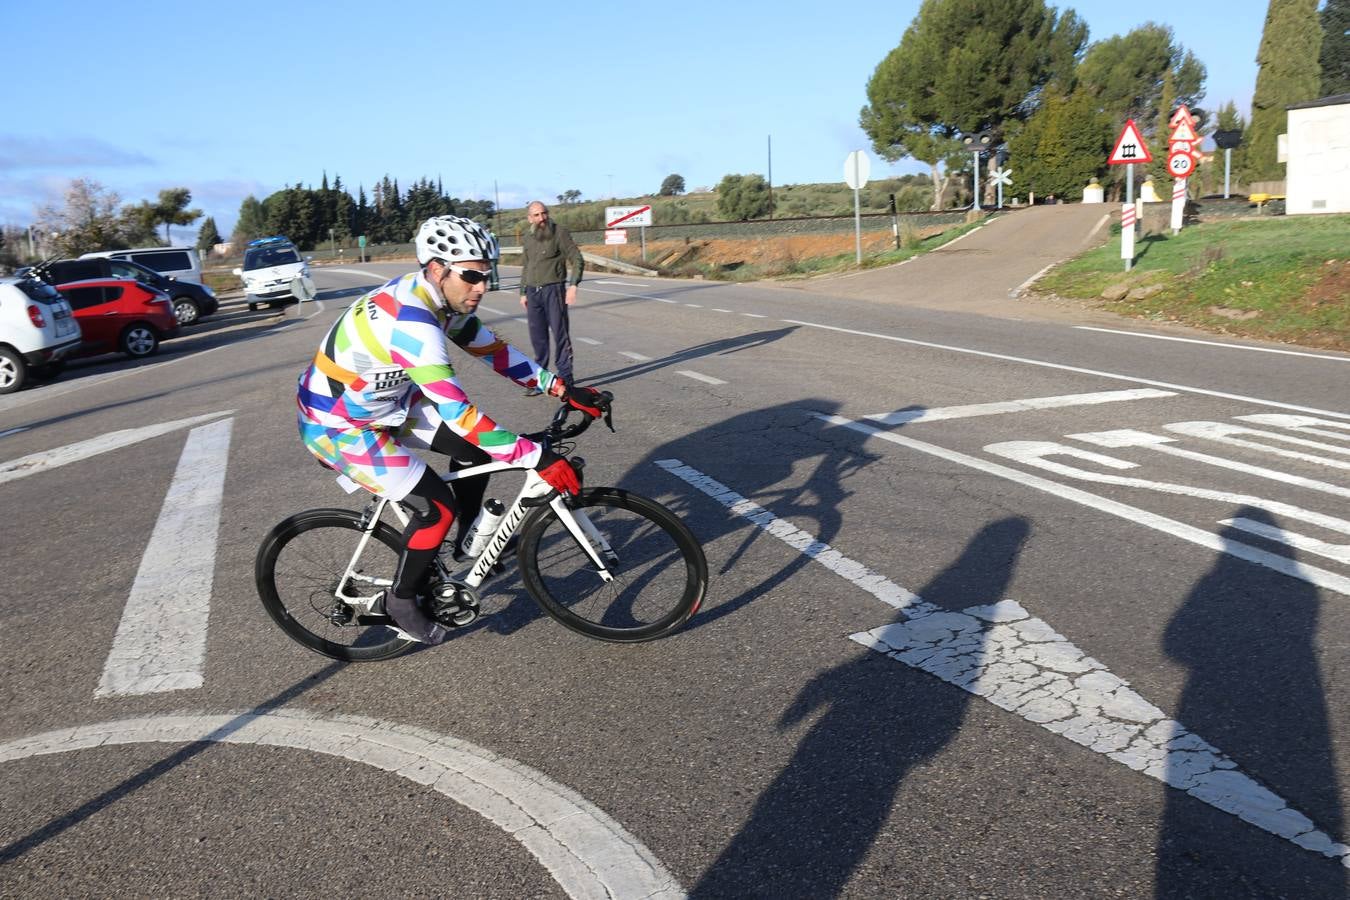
<point>588,853</point>
<point>1000,652</point>
<point>706,379</point>
<point>161,641</point>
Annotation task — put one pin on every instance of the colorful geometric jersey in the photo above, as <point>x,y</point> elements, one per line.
<point>389,347</point>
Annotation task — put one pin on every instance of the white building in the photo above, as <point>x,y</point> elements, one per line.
<point>1317,179</point>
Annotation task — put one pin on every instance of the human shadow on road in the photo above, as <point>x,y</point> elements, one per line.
<point>1246,635</point>
<point>94,805</point>
<point>815,823</point>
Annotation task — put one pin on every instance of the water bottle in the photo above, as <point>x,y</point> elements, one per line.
<point>476,541</point>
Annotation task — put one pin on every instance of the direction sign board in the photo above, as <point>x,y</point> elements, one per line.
<point>856,169</point>
<point>1130,147</point>
<point>616,236</point>
<point>627,216</point>
<point>1179,165</point>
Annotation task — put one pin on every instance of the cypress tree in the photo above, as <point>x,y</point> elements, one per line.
<point>1336,48</point>
<point>1288,73</point>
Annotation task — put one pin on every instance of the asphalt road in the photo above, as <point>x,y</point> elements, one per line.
<point>1005,602</point>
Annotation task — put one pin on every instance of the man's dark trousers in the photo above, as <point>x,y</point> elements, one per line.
<point>546,310</point>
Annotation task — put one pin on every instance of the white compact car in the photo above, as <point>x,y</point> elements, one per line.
<point>37,330</point>
<point>270,265</point>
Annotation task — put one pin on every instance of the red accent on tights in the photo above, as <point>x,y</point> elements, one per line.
<point>430,537</point>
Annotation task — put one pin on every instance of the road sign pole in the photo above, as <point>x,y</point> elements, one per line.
<point>975,180</point>
<point>642,234</point>
<point>1178,204</point>
<point>857,224</point>
<point>1127,214</point>
<point>1227,167</point>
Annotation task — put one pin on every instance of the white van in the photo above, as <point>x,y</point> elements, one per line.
<point>270,265</point>
<point>182,263</point>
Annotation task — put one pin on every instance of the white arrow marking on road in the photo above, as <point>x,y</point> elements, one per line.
<point>114,440</point>
<point>587,853</point>
<point>906,416</point>
<point>1021,664</point>
<point>161,640</point>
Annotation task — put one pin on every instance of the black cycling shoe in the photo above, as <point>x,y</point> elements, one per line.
<point>409,619</point>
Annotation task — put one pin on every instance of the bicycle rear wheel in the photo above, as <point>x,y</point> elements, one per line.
<point>659,571</point>
<point>300,573</point>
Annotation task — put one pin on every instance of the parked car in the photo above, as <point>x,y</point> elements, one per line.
<point>270,264</point>
<point>120,314</point>
<point>37,331</point>
<point>191,301</point>
<point>182,263</point>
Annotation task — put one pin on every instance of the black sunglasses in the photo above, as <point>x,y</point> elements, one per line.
<point>470,276</point>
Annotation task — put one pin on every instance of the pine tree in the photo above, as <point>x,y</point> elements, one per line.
<point>1336,48</point>
<point>1288,72</point>
<point>208,236</point>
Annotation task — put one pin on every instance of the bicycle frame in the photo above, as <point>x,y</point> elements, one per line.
<point>530,497</point>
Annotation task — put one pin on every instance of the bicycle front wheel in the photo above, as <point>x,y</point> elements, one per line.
<point>659,573</point>
<point>312,582</point>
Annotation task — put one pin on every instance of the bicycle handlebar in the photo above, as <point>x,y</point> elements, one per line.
<point>558,429</point>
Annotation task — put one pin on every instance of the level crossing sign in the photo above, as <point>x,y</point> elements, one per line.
<point>1130,147</point>
<point>627,216</point>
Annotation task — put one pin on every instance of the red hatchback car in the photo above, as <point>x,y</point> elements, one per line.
<point>120,314</point>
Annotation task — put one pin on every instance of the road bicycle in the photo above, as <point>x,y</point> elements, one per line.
<point>607,563</point>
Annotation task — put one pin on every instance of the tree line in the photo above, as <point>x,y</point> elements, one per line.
<point>1021,77</point>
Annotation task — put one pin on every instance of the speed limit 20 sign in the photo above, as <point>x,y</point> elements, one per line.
<point>1180,164</point>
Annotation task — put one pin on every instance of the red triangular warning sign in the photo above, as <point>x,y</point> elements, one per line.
<point>1182,114</point>
<point>1130,147</point>
<point>1183,131</point>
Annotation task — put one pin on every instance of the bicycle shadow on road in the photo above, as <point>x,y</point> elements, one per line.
<point>813,826</point>
<point>1247,634</point>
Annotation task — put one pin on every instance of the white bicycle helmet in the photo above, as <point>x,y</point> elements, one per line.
<point>453,238</point>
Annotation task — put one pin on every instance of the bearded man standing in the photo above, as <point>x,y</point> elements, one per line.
<point>548,286</point>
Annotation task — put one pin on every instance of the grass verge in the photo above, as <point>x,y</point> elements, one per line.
<point>1282,279</point>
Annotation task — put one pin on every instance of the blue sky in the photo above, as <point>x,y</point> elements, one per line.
<point>525,100</point>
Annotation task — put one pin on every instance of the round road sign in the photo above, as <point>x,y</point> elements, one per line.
<point>1180,165</point>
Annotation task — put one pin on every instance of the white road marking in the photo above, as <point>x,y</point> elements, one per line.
<point>1065,368</point>
<point>620,284</point>
<point>718,309</point>
<point>754,316</point>
<point>1285,566</point>
<point>637,356</point>
<point>161,640</point>
<point>706,379</point>
<point>904,416</point>
<point>588,853</point>
<point>1126,437</point>
<point>1222,432</point>
<point>1018,291</point>
<point>1034,453</point>
<point>113,440</point>
<point>592,341</point>
<point>1301,424</point>
<point>1021,664</point>
<point>693,306</point>
<point>1166,337</point>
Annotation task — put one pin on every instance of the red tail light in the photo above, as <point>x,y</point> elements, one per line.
<point>35,316</point>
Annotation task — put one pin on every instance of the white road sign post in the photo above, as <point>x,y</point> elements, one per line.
<point>1001,177</point>
<point>856,169</point>
<point>1130,149</point>
<point>1178,204</point>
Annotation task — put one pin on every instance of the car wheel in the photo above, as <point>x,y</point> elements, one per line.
<point>186,311</point>
<point>139,340</point>
<point>13,371</point>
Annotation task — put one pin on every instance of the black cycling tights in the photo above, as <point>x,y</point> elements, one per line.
<point>434,506</point>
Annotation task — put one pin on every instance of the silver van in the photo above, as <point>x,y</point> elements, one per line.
<point>182,263</point>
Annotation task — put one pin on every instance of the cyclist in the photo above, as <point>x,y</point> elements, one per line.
<point>382,385</point>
